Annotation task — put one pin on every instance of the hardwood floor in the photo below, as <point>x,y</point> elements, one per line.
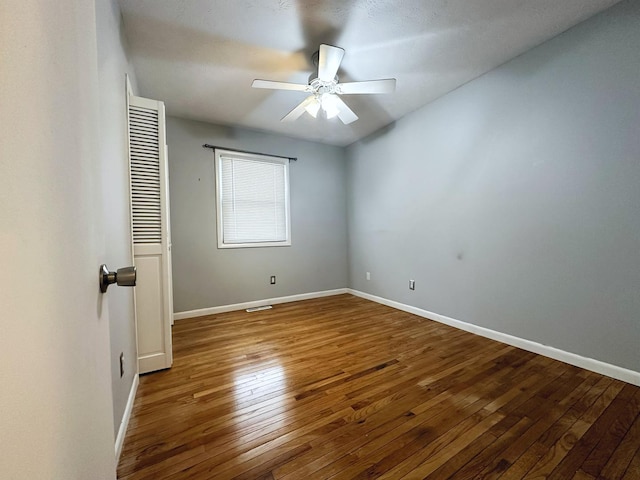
<point>341,387</point>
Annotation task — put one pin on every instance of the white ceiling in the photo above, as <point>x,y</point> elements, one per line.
<point>200,56</point>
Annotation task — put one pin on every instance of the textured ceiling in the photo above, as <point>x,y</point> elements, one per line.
<point>200,56</point>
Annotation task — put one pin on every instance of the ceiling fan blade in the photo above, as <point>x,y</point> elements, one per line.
<point>299,110</point>
<point>344,112</point>
<point>280,85</point>
<point>329,60</point>
<point>387,85</point>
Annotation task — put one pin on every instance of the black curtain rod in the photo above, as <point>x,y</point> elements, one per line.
<point>213,147</point>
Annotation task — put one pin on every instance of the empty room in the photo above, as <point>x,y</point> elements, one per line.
<point>305,239</point>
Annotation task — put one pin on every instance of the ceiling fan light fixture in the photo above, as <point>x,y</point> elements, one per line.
<point>313,108</point>
<point>332,112</point>
<point>329,105</point>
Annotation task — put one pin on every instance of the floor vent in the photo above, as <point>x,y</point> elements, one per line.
<point>257,309</point>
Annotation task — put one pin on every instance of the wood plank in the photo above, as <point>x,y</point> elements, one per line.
<point>609,442</point>
<point>497,460</point>
<point>537,451</point>
<point>384,434</point>
<point>341,387</point>
<point>580,475</point>
<point>618,462</point>
<point>633,470</point>
<point>542,423</point>
<point>594,428</point>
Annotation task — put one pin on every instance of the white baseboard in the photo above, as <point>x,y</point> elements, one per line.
<point>122,431</point>
<point>257,303</point>
<point>597,366</point>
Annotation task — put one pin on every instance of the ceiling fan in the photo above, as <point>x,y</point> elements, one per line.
<point>325,88</point>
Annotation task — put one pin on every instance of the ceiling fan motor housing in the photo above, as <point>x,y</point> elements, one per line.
<point>320,87</point>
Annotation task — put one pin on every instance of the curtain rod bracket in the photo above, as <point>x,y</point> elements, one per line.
<point>213,147</point>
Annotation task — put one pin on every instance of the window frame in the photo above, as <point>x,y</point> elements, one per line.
<point>219,154</point>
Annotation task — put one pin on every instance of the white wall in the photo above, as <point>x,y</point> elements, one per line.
<point>113,64</point>
<point>205,276</point>
<point>514,201</point>
<point>55,407</point>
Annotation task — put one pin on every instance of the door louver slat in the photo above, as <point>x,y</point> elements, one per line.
<point>145,175</point>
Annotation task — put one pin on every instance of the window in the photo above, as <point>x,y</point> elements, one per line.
<point>252,200</point>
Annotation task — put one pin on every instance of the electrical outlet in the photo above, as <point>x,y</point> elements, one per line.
<point>412,284</point>
<point>273,280</point>
<point>368,275</point>
<point>121,364</point>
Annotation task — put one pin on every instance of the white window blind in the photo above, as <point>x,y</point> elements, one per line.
<point>253,200</point>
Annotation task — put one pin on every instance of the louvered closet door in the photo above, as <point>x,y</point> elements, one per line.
<point>151,233</point>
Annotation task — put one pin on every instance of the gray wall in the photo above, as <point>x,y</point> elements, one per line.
<point>514,201</point>
<point>113,63</point>
<point>205,276</point>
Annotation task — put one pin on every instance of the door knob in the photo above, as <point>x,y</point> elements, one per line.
<point>125,277</point>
